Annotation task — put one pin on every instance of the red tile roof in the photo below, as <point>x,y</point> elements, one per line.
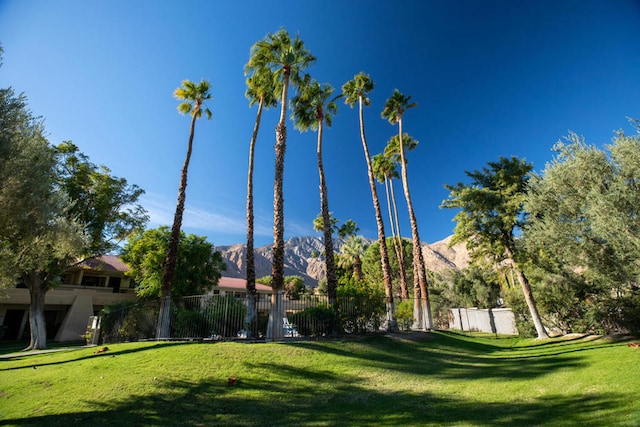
<point>240,284</point>
<point>103,263</point>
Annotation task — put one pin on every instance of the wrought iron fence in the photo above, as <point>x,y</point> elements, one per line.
<point>216,317</point>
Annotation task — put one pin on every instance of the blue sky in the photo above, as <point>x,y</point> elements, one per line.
<point>491,78</point>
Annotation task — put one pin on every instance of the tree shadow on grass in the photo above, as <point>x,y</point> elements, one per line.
<point>43,359</point>
<point>447,357</point>
<point>338,400</point>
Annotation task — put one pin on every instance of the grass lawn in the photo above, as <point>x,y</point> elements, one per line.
<point>412,379</point>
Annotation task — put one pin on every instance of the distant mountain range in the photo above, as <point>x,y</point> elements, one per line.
<point>300,259</point>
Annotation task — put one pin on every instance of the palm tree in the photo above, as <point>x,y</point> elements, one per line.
<point>287,59</point>
<point>394,110</point>
<point>385,171</point>
<point>194,96</point>
<point>351,254</point>
<point>261,88</point>
<point>312,108</point>
<point>357,90</point>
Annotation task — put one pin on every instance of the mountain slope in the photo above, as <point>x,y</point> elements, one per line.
<point>300,258</point>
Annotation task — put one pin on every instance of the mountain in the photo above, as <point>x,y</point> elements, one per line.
<point>300,258</point>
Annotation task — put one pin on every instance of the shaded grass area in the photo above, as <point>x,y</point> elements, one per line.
<point>392,380</point>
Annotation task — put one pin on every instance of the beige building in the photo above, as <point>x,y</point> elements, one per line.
<point>87,288</point>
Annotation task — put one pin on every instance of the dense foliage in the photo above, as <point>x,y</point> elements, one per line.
<point>198,268</point>
<point>584,235</point>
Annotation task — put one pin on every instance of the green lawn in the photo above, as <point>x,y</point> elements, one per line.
<point>402,380</point>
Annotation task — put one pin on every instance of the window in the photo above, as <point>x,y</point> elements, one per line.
<point>99,281</point>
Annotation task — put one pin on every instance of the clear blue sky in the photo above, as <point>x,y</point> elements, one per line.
<point>491,78</point>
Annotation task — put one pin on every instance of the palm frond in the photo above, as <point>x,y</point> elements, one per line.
<point>184,108</point>
<point>179,93</point>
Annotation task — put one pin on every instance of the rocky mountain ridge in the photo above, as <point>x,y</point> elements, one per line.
<point>300,258</point>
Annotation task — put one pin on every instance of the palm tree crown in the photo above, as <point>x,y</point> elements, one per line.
<point>396,106</point>
<point>312,106</point>
<point>392,150</point>
<point>194,96</point>
<point>360,86</point>
<point>384,168</point>
<point>263,86</point>
<point>285,57</point>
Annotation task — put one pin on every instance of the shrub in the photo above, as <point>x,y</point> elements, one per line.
<point>316,321</point>
<point>404,314</point>
<point>127,322</point>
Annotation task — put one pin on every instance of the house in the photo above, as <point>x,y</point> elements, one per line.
<point>85,290</point>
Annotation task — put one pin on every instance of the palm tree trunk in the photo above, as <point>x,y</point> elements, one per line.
<point>391,323</point>
<point>37,292</point>
<point>419,272</point>
<point>397,242</point>
<point>528,296</point>
<point>251,264</point>
<point>328,239</point>
<point>275,327</point>
<point>162,329</point>
<point>357,268</point>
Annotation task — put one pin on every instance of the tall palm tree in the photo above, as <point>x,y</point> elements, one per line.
<point>287,59</point>
<point>394,110</point>
<point>261,88</point>
<point>193,97</point>
<point>313,107</point>
<point>357,90</point>
<point>385,171</point>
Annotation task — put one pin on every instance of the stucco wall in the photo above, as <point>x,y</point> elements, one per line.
<point>494,320</point>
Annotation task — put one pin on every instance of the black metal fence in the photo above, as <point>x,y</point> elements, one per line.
<point>217,317</point>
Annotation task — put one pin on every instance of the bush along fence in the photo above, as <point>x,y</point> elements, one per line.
<point>217,317</point>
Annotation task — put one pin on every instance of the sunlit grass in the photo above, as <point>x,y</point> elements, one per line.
<point>401,380</point>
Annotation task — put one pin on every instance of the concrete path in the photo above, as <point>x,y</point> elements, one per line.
<point>34,352</point>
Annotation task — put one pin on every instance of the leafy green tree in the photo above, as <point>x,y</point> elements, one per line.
<point>287,59</point>
<point>583,230</point>
<point>313,108</point>
<point>39,236</point>
<point>74,209</point>
<point>357,90</point>
<point>261,88</point>
<point>294,286</point>
<point>394,110</point>
<point>193,97</point>
<point>198,266</point>
<point>475,286</point>
<point>265,280</point>
<point>385,171</point>
<point>105,204</point>
<point>491,210</point>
